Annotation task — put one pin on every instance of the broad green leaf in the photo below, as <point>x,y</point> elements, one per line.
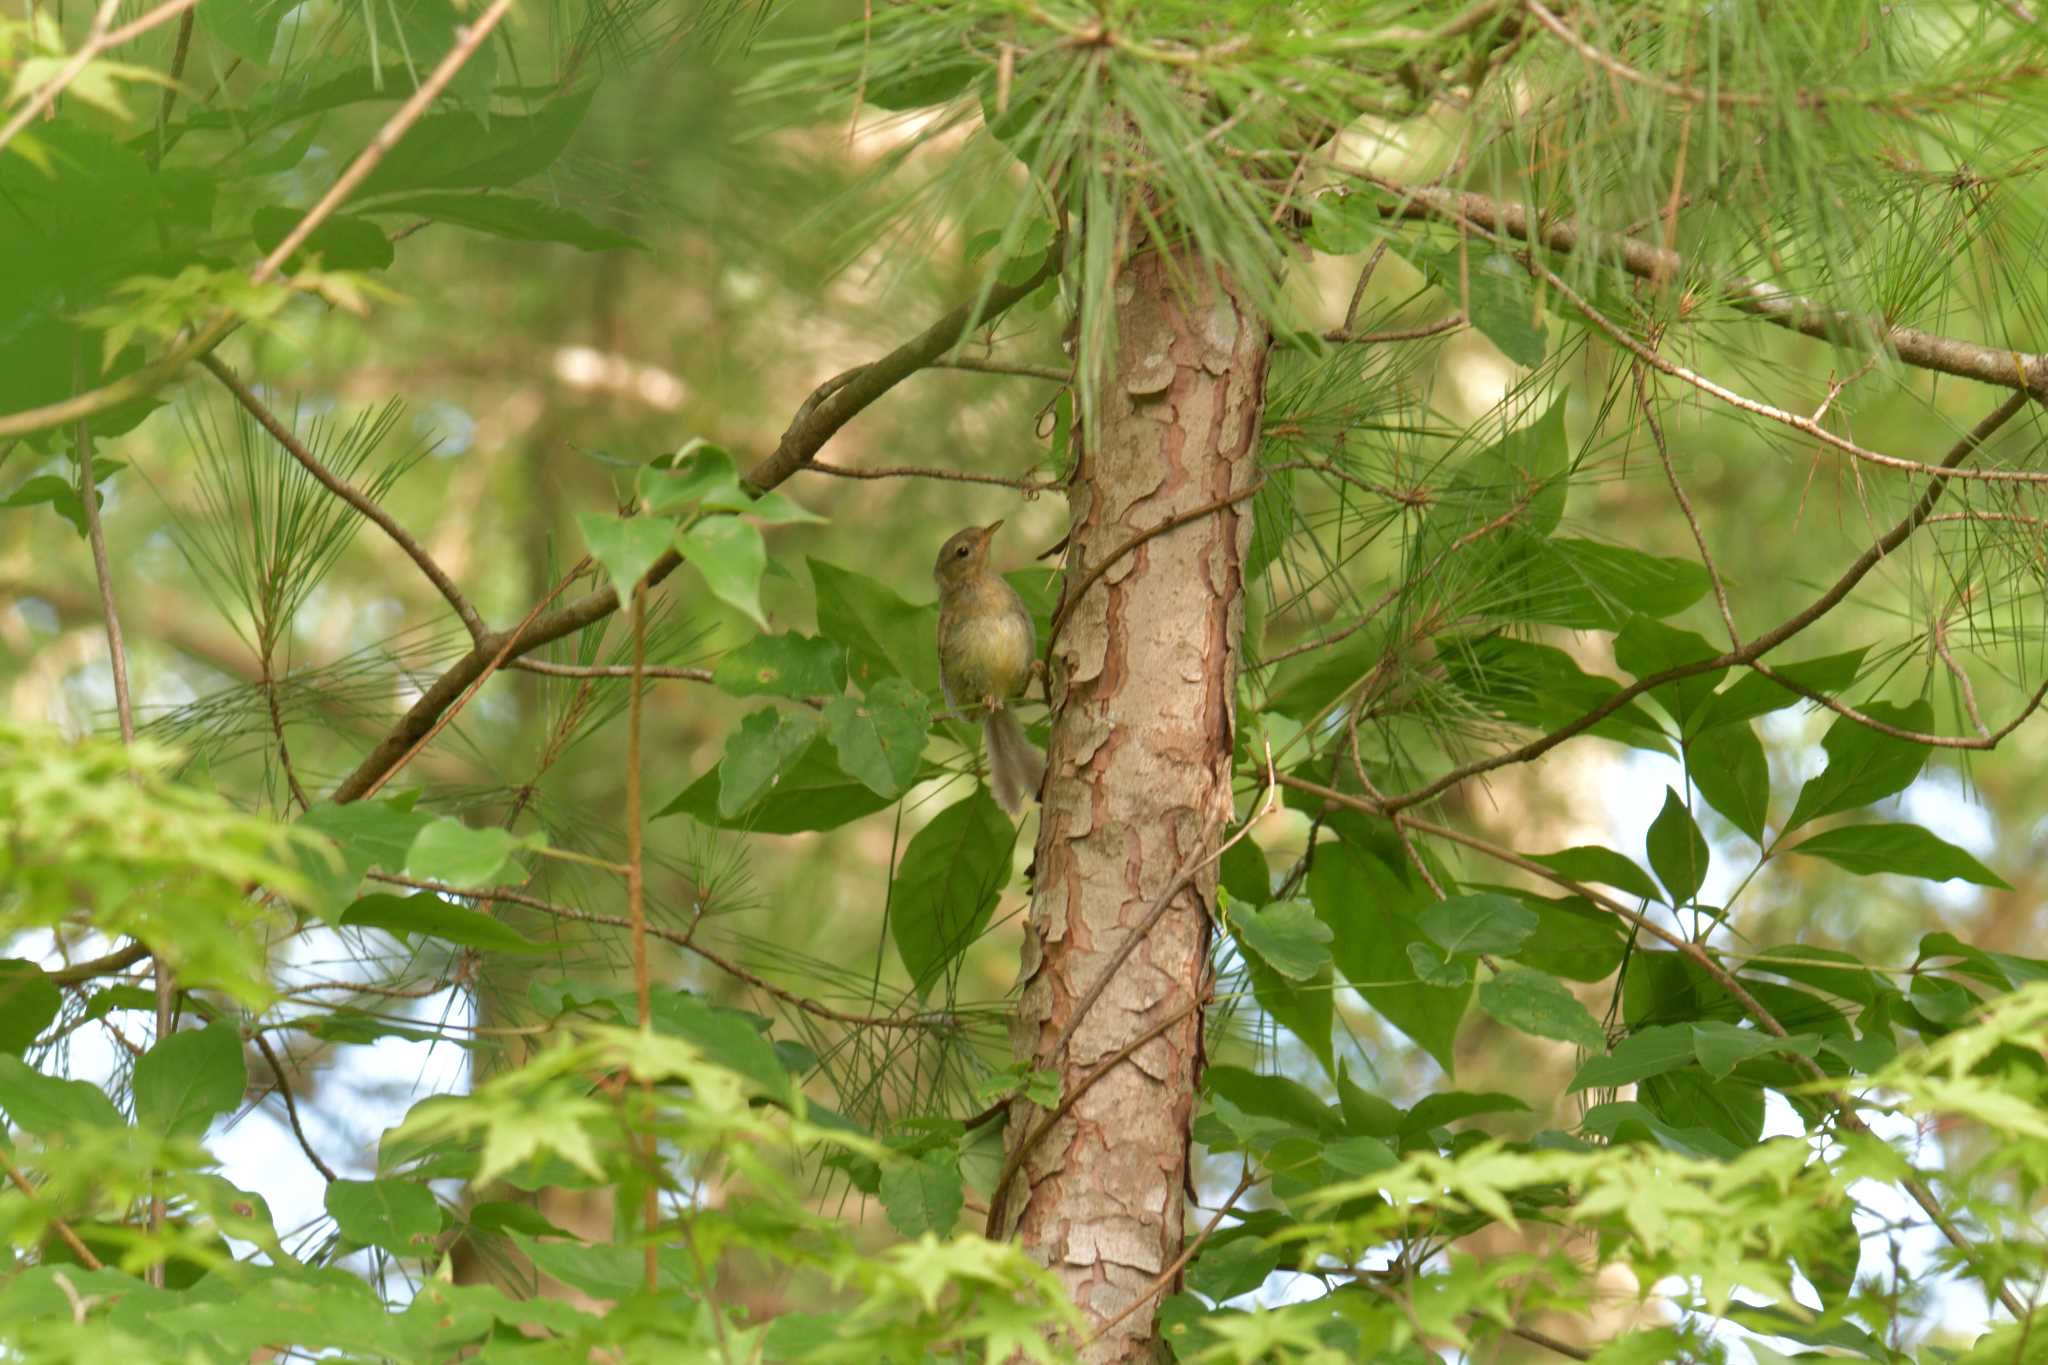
<point>1678,851</point>
<point>1232,1265</point>
<point>1593,863</point>
<point>1690,1098</point>
<point>29,1000</point>
<point>880,737</point>
<point>608,1270</point>
<point>343,242</point>
<point>1627,1121</point>
<point>187,1079</point>
<point>1907,850</point>
<point>731,556</point>
<point>791,665</point>
<point>766,747</point>
<point>923,1195</point>
<point>885,636</point>
<point>1645,1053</point>
<point>1372,913</point>
<point>809,794</point>
<point>1590,585</point>
<point>1721,1046</point>
<point>48,1105</point>
<point>732,1038</point>
<point>1432,968</point>
<point>511,216</point>
<point>1647,647</point>
<point>1245,875</point>
<point>947,885</point>
<point>425,913</point>
<point>1487,525</point>
<point>463,855</point>
<point>1493,290</point>
<point>1274,1097</point>
<point>1864,765</point>
<point>1537,1003</point>
<point>1486,922</point>
<point>626,546</point>
<point>698,472</point>
<point>1344,224</point>
<point>368,834</point>
<point>1451,1106</point>
<point>1287,936</point>
<point>1753,695</point>
<point>1727,766</point>
<point>1573,939</point>
<point>2006,971</point>
<point>455,151</point>
<point>247,28</point>
<point>1306,1008</point>
<point>401,1216</point>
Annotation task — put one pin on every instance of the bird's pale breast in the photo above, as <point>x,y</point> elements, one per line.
<point>985,642</point>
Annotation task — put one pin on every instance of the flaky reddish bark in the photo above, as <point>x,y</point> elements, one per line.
<point>1138,790</point>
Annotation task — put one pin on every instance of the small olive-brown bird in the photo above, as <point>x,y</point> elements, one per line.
<point>986,647</point>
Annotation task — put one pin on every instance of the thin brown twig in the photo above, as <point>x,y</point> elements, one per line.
<point>1692,520</point>
<point>78,1248</point>
<point>927,472</point>
<point>555,670</point>
<point>99,38</point>
<point>1052,374</point>
<point>1407,497</point>
<point>364,505</point>
<point>936,1021</point>
<point>1346,337</point>
<point>291,1106</point>
<point>1939,631</point>
<point>1612,64</point>
<point>636,911</point>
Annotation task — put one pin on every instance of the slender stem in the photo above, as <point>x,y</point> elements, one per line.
<point>291,1106</point>
<point>78,1248</point>
<point>636,909</point>
<point>98,39</point>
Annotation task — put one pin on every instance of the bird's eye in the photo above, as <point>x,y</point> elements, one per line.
<point>960,553</point>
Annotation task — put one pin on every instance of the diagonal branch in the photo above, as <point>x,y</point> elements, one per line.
<point>1924,350</point>
<point>348,493</point>
<point>101,38</point>
<point>831,406</point>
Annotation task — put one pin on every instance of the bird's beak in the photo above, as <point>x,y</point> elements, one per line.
<point>989,530</point>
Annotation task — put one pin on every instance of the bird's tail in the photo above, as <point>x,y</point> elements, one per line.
<point>1015,767</point>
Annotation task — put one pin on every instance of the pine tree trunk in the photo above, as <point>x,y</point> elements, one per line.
<point>1138,793</point>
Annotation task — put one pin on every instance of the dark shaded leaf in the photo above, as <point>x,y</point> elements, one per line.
<point>1537,1003</point>
<point>189,1078</point>
<point>1864,765</point>
<point>1907,850</point>
<point>425,913</point>
<point>947,885</point>
<point>1678,851</point>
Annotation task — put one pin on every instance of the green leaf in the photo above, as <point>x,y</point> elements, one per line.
<point>1280,1098</point>
<point>510,216</point>
<point>425,913</point>
<point>247,28</point>
<point>766,747</point>
<point>343,242</point>
<point>1753,695</point>
<point>29,1000</point>
<point>1907,850</point>
<point>456,151</point>
<point>401,1216</point>
<point>1494,292</point>
<point>1372,913</point>
<point>626,546</point>
<point>460,855</point>
<point>1572,939</point>
<point>1590,585</point>
<point>1434,969</point>
<point>1721,1046</point>
<point>1733,1108</point>
<point>947,885</point>
<point>924,1195</point>
<point>1344,224</point>
<point>187,1079</point>
<point>368,834</point>
<point>699,472</point>
<point>1306,1008</point>
<point>48,1105</point>
<point>1727,766</point>
<point>1244,873</point>
<point>1678,851</point>
<point>791,665</point>
<point>61,494</point>
<point>732,1038</point>
<point>1647,647</point>
<point>731,556</point>
<point>1232,1265</point>
<point>1863,764</point>
<point>1287,936</point>
<point>884,636</point>
<point>1593,863</point>
<point>809,794</point>
<point>1538,1003</point>
<point>1483,923</point>
<point>1451,1106</point>
<point>1645,1053</point>
<point>880,737</point>
<point>1542,687</point>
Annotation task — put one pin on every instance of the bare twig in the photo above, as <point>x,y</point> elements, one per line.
<point>291,1106</point>
<point>636,910</point>
<point>78,1248</point>
<point>348,493</point>
<point>1692,520</point>
<point>927,472</point>
<point>1050,373</point>
<point>1347,337</point>
<point>99,38</point>
<point>554,670</point>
